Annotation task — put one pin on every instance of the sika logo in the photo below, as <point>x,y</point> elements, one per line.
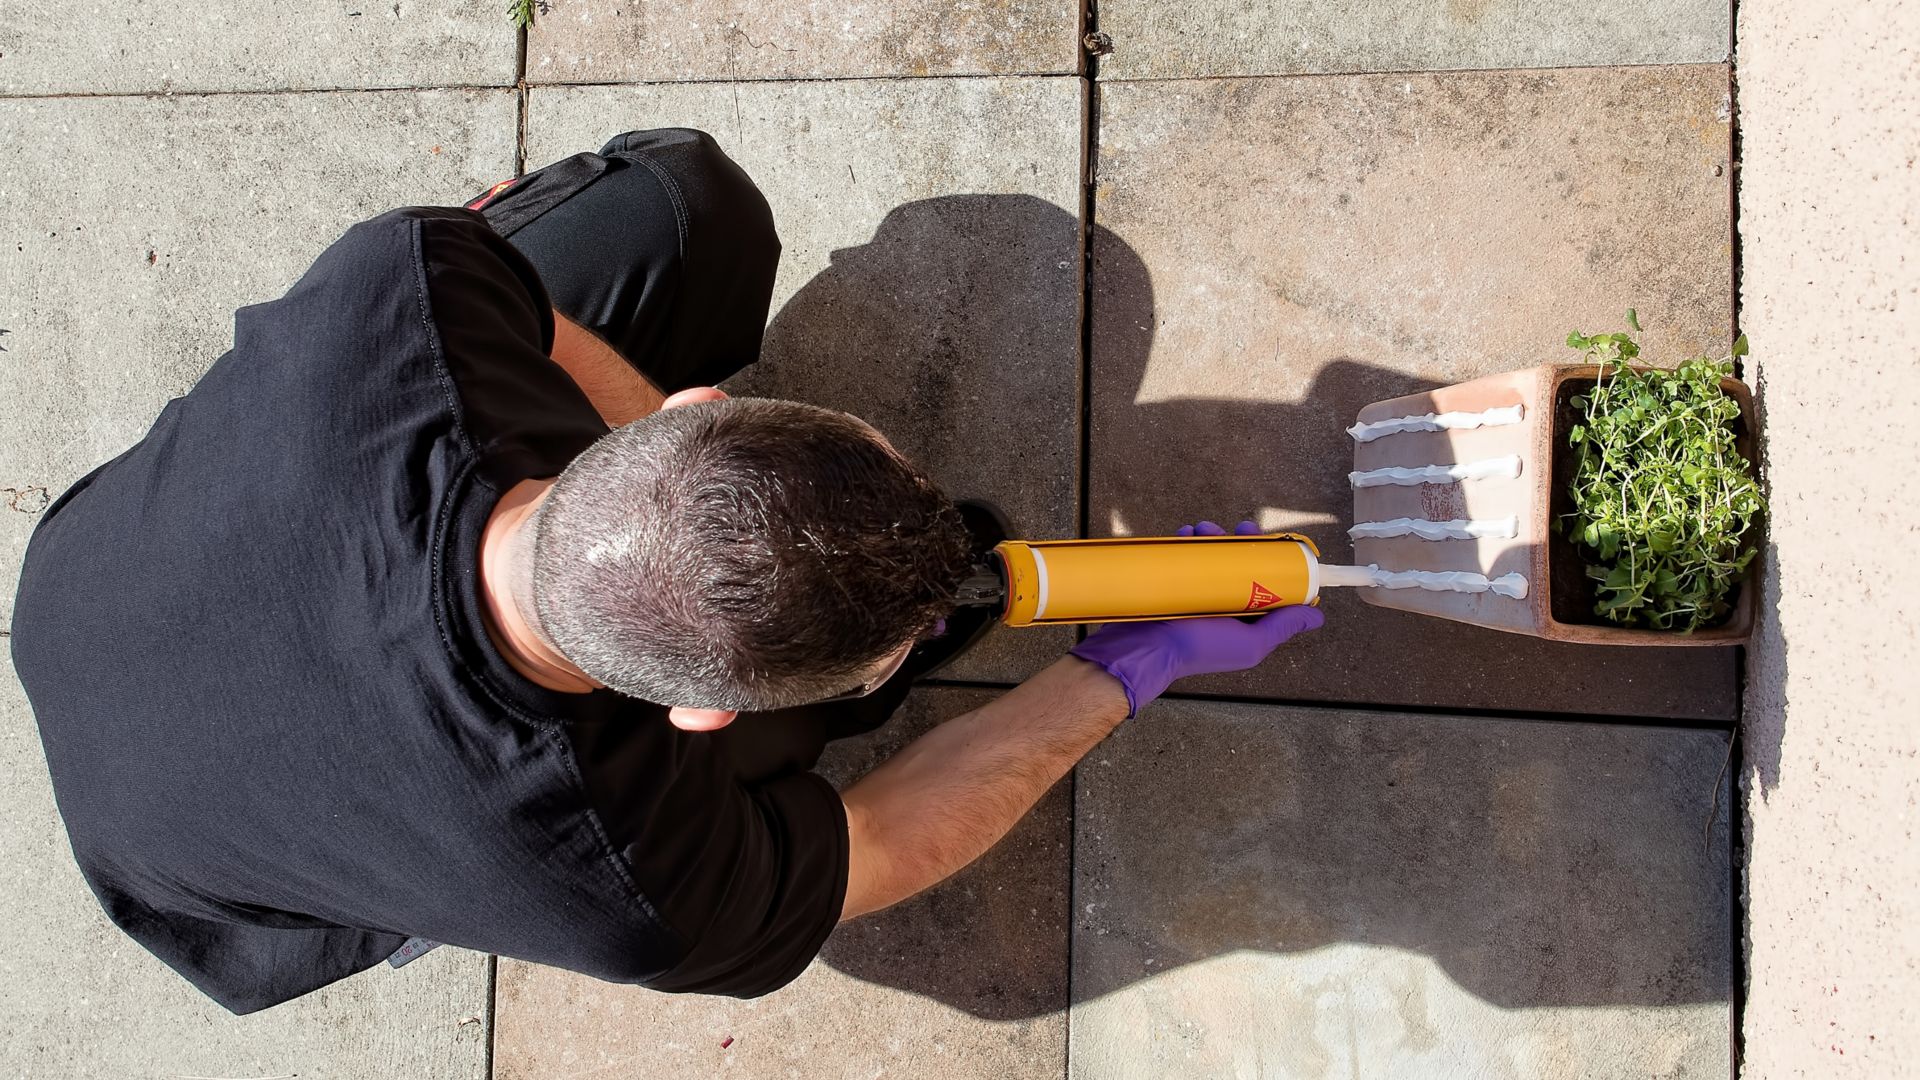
<point>1261,598</point>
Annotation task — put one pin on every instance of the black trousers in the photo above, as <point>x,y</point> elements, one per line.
<point>659,243</point>
<point>664,247</point>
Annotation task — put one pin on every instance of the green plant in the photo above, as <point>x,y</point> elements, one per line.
<point>523,10</point>
<point>1663,502</point>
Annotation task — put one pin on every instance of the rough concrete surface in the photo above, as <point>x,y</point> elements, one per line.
<point>621,41</point>
<point>1298,893</point>
<point>931,272</point>
<point>1154,39</point>
<point>154,46</point>
<point>130,229</point>
<point>1829,203</point>
<point>966,980</point>
<point>1273,254</point>
<point>81,1000</point>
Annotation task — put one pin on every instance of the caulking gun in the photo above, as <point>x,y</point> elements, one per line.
<point>1132,579</point>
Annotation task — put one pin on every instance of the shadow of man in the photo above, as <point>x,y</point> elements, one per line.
<point>957,331</point>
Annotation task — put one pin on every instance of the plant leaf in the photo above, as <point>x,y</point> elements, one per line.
<point>1663,504</point>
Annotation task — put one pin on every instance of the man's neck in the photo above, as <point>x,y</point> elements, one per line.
<point>506,590</point>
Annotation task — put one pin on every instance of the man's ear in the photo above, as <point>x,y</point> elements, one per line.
<point>693,395</point>
<point>700,719</point>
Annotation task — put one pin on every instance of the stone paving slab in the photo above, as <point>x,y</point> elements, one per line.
<point>930,281</point>
<point>601,41</point>
<point>1156,40</point>
<point>1273,254</point>
<point>1287,892</point>
<point>966,980</point>
<point>1830,750</point>
<point>155,46</point>
<point>82,1000</point>
<point>131,228</point>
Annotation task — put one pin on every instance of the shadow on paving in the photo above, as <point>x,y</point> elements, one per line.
<point>993,940</point>
<point>954,330</point>
<point>1234,439</point>
<point>1531,882</point>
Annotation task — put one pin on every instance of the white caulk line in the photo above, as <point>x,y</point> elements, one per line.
<point>1380,429</point>
<point>1457,529</point>
<point>1491,468</point>
<point>1040,578</point>
<point>1510,585</point>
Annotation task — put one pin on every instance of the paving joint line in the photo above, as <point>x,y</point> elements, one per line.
<point>493,1013</point>
<point>520,88</point>
<point>1456,712</point>
<point>1465,712</point>
<point>1089,77</point>
<point>1737,904</point>
<point>523,84</point>
<point>288,91</point>
<point>898,77</point>
<point>1089,162</point>
<point>1383,72</point>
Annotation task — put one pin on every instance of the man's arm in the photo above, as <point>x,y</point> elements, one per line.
<point>944,800</point>
<point>619,393</point>
<point>949,796</point>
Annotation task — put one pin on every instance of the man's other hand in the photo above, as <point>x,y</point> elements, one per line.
<point>1147,657</point>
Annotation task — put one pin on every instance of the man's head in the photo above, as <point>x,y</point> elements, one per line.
<point>742,554</point>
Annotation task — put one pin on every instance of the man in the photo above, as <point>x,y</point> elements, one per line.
<point>381,633</point>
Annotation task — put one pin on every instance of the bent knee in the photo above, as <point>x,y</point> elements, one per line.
<point>713,191</point>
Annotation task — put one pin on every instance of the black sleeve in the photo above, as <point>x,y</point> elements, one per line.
<point>493,325</point>
<point>752,876</point>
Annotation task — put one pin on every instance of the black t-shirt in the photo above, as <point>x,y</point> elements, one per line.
<point>279,735</point>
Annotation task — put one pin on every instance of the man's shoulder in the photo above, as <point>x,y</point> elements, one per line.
<point>365,314</point>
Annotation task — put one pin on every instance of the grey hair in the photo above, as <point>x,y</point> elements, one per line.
<point>742,554</point>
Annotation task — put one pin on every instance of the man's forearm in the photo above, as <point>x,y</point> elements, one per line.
<point>953,793</point>
<point>619,393</point>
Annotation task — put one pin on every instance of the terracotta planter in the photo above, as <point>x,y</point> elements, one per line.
<point>1559,601</point>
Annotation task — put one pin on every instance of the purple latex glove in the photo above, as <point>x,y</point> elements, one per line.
<point>1148,656</point>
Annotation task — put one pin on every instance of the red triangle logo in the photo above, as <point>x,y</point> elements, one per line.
<point>1262,598</point>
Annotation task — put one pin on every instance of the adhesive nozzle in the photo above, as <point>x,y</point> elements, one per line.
<point>1347,576</point>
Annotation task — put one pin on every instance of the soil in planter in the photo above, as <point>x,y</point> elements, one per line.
<point>1572,591</point>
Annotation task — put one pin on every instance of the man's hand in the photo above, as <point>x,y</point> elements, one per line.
<point>1147,657</point>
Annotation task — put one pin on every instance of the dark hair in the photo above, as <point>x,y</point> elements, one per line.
<point>742,554</point>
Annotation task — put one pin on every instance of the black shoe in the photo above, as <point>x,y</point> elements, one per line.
<point>967,625</point>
